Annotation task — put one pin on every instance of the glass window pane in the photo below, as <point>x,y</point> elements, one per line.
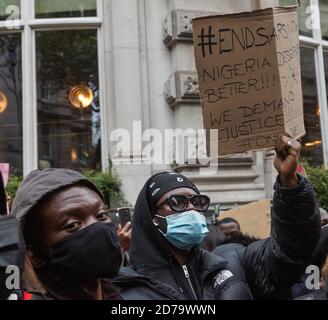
<point>9,9</point>
<point>68,99</point>
<point>325,56</point>
<point>11,146</point>
<point>324,18</point>
<point>304,17</point>
<point>65,8</point>
<point>312,142</point>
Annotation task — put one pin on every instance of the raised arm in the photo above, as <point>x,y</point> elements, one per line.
<point>274,265</point>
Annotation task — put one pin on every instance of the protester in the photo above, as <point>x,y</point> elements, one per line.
<point>168,226</point>
<point>72,247</point>
<point>231,229</point>
<point>214,238</point>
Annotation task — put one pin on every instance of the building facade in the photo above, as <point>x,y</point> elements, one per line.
<point>75,76</point>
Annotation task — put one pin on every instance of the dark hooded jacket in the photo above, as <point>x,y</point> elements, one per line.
<point>319,259</point>
<point>265,269</point>
<point>34,188</point>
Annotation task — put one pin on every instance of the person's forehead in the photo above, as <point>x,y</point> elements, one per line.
<point>177,191</point>
<point>229,225</point>
<point>71,202</point>
<point>75,191</point>
<point>73,197</point>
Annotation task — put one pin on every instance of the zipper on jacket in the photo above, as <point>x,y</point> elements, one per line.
<point>186,273</point>
<point>174,275</point>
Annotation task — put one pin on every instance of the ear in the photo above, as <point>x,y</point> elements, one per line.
<point>35,258</point>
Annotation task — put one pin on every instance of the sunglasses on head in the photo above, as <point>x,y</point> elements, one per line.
<point>179,203</point>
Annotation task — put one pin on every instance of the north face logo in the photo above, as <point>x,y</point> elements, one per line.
<point>221,277</point>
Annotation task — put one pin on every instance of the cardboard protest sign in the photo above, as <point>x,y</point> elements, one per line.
<point>254,218</point>
<point>249,74</point>
<point>4,168</point>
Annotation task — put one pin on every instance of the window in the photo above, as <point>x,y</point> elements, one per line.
<point>65,9</point>
<point>324,18</point>
<point>312,142</point>
<point>50,114</point>
<point>11,144</point>
<point>303,17</point>
<point>69,134</point>
<point>313,17</point>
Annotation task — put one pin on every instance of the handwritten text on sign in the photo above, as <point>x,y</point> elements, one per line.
<point>249,74</point>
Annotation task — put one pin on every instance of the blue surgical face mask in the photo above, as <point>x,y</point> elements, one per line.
<point>185,230</point>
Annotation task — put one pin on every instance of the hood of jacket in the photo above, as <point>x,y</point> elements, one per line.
<point>149,249</point>
<point>41,183</point>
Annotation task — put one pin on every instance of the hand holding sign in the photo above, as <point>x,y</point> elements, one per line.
<point>286,160</point>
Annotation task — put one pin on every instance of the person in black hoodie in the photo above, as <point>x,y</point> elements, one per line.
<point>72,249</point>
<point>232,231</point>
<point>168,226</point>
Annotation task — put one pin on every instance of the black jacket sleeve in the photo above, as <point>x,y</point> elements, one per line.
<point>274,265</point>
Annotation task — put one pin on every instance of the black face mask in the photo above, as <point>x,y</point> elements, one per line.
<point>91,253</point>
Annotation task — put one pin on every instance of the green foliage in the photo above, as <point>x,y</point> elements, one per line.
<point>13,184</point>
<point>109,185</point>
<point>319,179</point>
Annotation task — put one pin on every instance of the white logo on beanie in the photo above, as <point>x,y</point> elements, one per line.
<point>180,179</point>
<point>155,191</point>
<point>151,185</point>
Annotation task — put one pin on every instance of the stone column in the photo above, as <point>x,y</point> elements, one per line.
<point>124,84</point>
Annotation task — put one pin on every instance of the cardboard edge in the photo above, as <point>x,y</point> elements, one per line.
<point>257,12</point>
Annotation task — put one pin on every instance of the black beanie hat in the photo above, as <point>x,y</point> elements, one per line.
<point>164,182</point>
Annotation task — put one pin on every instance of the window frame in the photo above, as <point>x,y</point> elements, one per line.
<point>318,44</point>
<point>28,26</point>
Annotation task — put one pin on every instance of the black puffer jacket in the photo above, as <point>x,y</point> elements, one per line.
<point>265,269</point>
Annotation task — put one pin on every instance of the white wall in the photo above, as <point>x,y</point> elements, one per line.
<point>138,64</point>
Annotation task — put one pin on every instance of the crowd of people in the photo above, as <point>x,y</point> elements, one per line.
<point>73,250</point>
